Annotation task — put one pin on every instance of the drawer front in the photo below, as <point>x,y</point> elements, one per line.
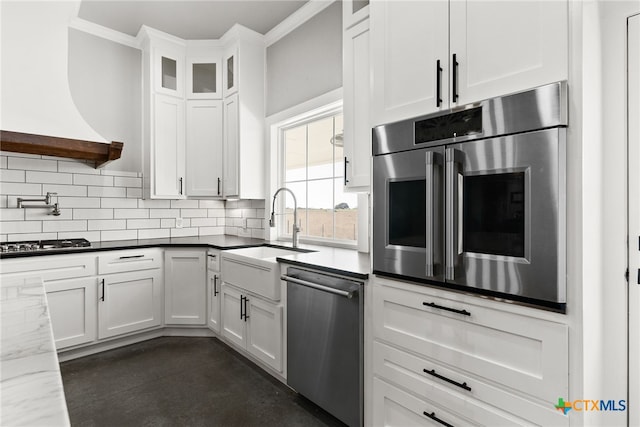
<point>213,260</point>
<point>395,407</point>
<point>129,260</point>
<point>54,267</point>
<point>514,350</point>
<point>450,385</point>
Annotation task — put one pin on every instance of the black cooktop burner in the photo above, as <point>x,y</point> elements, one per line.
<point>43,245</point>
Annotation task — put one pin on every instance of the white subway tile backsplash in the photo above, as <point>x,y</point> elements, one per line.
<point>233,213</point>
<point>93,214</point>
<point>58,226</point>
<point>119,181</point>
<point>44,214</point>
<point>106,192</point>
<point>66,190</point>
<point>143,223</point>
<point>119,203</point>
<point>155,204</point>
<point>12,214</point>
<point>14,227</point>
<point>164,213</point>
<point>31,236</point>
<point>3,162</point>
<point>77,202</point>
<point>154,234</point>
<point>12,154</point>
<point>257,233</point>
<point>183,232</point>
<point>3,201</point>
<point>231,231</point>
<point>193,213</point>
<point>12,175</point>
<point>222,221</point>
<point>134,193</point>
<point>32,164</point>
<point>258,203</point>
<point>249,213</point>
<point>167,222</point>
<point>107,224</point>
<point>49,177</point>
<point>211,204</point>
<point>211,231</point>
<point>118,173</point>
<point>215,213</point>
<point>101,180</point>
<point>77,167</point>
<point>238,222</point>
<point>255,223</point>
<point>118,235</point>
<point>92,236</point>
<point>130,213</point>
<point>204,222</point>
<point>244,232</point>
<point>21,189</point>
<point>185,204</point>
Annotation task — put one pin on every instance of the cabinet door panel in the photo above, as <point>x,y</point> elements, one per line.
<point>230,72</point>
<point>168,147</point>
<point>204,148</point>
<point>131,260</point>
<point>55,267</point>
<point>213,292</point>
<point>185,287</point>
<point>73,311</point>
<point>407,39</point>
<point>264,337</point>
<point>233,327</point>
<point>204,78</point>
<point>132,302</point>
<point>508,46</point>
<point>230,148</point>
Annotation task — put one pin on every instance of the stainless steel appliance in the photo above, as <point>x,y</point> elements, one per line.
<point>474,198</point>
<point>43,245</point>
<point>325,342</point>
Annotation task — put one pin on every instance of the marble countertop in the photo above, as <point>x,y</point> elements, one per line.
<point>31,392</point>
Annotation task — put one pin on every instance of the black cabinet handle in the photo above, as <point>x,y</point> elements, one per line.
<point>131,256</point>
<point>180,185</point>
<point>432,415</point>
<point>345,170</point>
<point>212,255</point>
<point>440,307</point>
<point>450,381</point>
<point>102,297</point>
<point>438,84</point>
<point>218,186</point>
<point>241,300</point>
<point>454,76</point>
<point>245,308</point>
<point>215,285</point>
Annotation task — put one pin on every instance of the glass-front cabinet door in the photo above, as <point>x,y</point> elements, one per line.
<point>230,76</point>
<point>169,69</point>
<point>204,78</point>
<point>354,11</point>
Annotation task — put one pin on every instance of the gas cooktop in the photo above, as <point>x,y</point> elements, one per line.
<point>43,245</point>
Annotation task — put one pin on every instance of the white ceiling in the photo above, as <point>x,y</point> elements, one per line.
<point>189,19</point>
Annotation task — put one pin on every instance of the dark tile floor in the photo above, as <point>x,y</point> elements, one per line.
<point>175,381</point>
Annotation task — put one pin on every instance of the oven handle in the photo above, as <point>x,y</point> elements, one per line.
<point>429,175</point>
<point>454,166</point>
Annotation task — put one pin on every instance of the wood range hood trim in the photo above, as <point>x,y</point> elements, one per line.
<point>97,152</point>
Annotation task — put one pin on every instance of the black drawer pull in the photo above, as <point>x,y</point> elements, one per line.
<point>453,310</point>
<point>443,378</point>
<point>131,256</point>
<point>436,419</point>
<point>211,255</point>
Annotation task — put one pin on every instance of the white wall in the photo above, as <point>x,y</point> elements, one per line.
<point>35,90</point>
<point>307,62</point>
<point>105,79</point>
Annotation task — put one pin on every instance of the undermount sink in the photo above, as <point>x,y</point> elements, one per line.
<point>255,269</point>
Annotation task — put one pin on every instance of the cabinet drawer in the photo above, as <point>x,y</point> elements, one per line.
<point>213,260</point>
<point>407,370</point>
<point>395,407</point>
<point>130,260</point>
<point>54,267</point>
<point>514,350</point>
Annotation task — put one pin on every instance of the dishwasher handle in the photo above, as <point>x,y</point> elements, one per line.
<point>348,294</point>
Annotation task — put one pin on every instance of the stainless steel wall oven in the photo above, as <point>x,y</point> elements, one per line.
<point>474,198</point>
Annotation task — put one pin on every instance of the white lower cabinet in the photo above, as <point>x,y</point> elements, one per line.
<point>253,324</point>
<point>214,284</point>
<point>129,302</point>
<point>185,300</point>
<point>73,310</point>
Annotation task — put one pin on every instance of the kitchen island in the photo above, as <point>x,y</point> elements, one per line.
<point>31,390</point>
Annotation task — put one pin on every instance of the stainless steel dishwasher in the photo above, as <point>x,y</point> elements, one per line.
<point>325,342</point>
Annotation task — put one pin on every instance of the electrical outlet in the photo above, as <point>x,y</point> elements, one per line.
<point>179,222</point>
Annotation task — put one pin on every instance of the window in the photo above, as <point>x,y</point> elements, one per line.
<point>313,168</point>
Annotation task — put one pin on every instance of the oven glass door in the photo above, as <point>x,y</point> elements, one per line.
<point>504,217</point>
<point>408,234</point>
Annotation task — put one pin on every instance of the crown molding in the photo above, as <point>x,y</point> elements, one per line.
<point>104,32</point>
<point>297,18</point>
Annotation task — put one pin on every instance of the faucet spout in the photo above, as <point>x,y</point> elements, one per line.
<point>272,221</point>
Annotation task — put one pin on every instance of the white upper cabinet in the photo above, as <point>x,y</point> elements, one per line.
<point>500,47</point>
<point>231,146</point>
<point>507,46</point>
<point>408,38</point>
<point>168,70</point>
<point>230,65</point>
<point>356,83</point>
<point>204,148</point>
<point>204,77</point>
<point>168,148</point>
<point>354,11</point>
